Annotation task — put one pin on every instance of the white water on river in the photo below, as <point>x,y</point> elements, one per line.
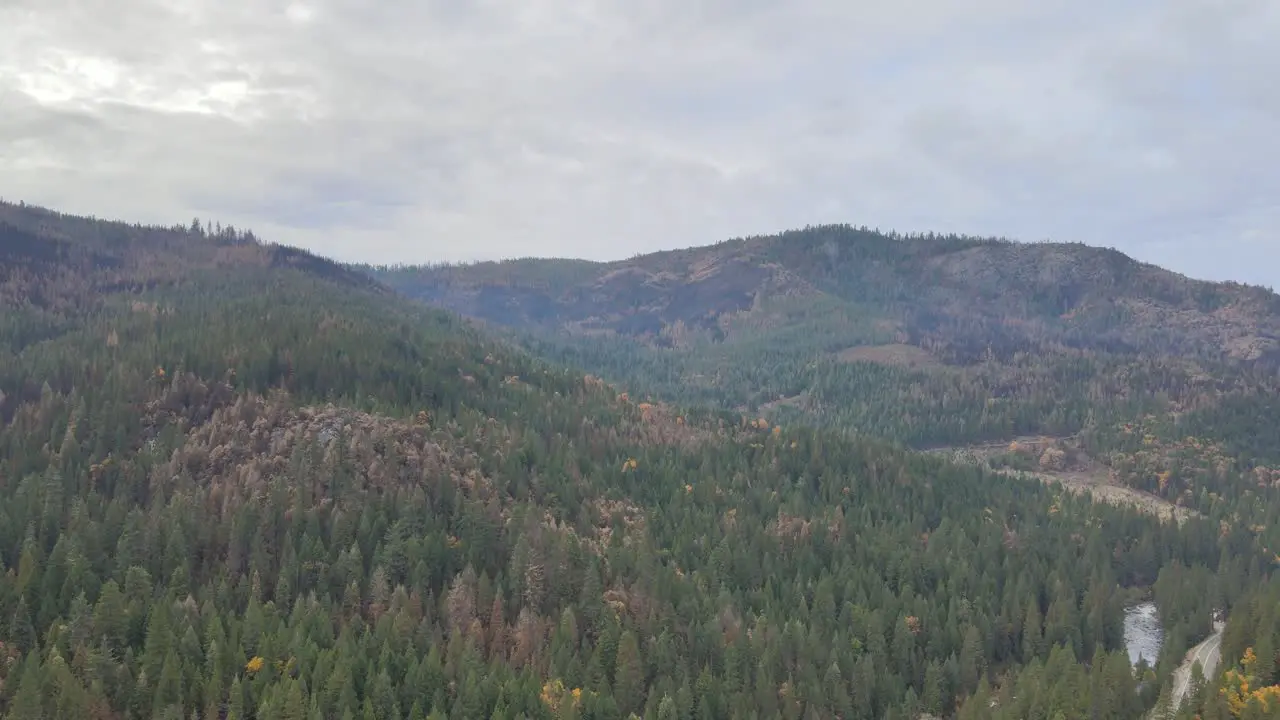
<point>1143,635</point>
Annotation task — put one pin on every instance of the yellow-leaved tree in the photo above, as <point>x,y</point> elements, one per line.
<point>1241,687</point>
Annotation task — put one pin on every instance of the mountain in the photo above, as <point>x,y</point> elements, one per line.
<point>241,481</point>
<point>925,340</point>
<point>952,298</point>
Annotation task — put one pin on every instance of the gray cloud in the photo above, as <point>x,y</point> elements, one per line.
<point>415,131</point>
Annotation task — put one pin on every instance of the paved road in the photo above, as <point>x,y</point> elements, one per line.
<point>1207,654</point>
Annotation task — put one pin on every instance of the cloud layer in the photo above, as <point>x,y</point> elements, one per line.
<point>447,130</point>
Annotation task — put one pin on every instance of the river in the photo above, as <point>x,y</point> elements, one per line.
<point>1143,635</point>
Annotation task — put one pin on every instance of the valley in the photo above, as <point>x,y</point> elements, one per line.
<point>1072,366</point>
<point>805,476</point>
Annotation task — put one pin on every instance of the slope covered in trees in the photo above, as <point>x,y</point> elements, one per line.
<point>956,297</point>
<point>928,340</point>
<point>1144,378</point>
<point>1129,374</point>
<point>240,481</point>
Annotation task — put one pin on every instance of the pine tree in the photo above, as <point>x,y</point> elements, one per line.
<point>22,631</point>
<point>629,680</point>
<point>292,705</point>
<point>27,702</point>
<point>934,695</point>
<point>972,659</point>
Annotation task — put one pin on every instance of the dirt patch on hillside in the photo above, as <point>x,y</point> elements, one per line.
<point>1058,460</point>
<point>794,401</point>
<point>1098,485</point>
<point>897,354</point>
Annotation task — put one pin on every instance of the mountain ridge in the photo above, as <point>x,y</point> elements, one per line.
<point>1038,293</point>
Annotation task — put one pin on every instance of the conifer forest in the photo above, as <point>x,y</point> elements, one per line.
<point>830,473</point>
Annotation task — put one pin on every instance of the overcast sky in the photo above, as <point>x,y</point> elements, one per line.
<point>445,129</point>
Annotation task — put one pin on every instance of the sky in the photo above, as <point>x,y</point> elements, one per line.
<point>446,130</point>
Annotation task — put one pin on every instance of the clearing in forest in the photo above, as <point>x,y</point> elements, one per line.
<point>897,354</point>
<point>1055,460</point>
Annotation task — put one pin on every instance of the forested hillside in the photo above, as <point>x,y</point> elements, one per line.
<point>926,339</point>
<point>1120,374</point>
<point>1127,374</point>
<point>958,298</point>
<point>1076,365</point>
<point>240,481</point>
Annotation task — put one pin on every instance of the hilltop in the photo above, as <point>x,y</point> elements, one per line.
<point>953,298</point>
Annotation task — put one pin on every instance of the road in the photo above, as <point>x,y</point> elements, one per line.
<point>1207,654</point>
